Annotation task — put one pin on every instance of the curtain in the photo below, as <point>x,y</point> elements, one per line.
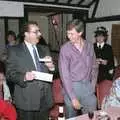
<point>57,30</point>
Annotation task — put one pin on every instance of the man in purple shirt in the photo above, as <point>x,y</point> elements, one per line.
<point>78,71</point>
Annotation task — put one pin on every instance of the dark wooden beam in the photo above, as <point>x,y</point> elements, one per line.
<point>56,1</point>
<point>25,15</point>
<point>69,1</point>
<point>103,19</point>
<point>95,8</point>
<point>81,1</point>
<point>92,2</point>
<point>45,0</point>
<point>31,8</point>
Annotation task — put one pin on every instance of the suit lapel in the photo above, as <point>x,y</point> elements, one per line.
<point>40,51</point>
<point>27,56</point>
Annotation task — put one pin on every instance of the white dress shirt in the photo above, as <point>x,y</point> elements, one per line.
<point>100,44</point>
<point>30,48</point>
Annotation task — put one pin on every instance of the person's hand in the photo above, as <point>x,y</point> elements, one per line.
<point>49,62</point>
<point>104,62</point>
<point>98,60</point>
<point>76,104</point>
<point>29,76</point>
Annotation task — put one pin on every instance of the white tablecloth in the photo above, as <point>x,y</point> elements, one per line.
<point>113,112</point>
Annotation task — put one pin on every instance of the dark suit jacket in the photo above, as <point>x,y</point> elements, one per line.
<point>105,53</point>
<point>28,95</point>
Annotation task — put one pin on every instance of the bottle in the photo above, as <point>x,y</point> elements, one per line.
<point>61,115</point>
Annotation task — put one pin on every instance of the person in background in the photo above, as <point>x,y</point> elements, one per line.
<point>113,98</point>
<point>11,38</point>
<point>32,97</point>
<point>4,89</point>
<point>7,111</point>
<point>104,54</point>
<point>105,60</point>
<point>78,71</point>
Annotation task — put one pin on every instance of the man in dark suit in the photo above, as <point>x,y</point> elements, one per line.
<point>32,97</point>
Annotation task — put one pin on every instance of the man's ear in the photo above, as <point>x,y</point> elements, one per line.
<point>26,33</point>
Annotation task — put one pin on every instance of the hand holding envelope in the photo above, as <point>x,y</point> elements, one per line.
<point>29,76</point>
<point>35,75</point>
<point>43,76</point>
<point>48,62</point>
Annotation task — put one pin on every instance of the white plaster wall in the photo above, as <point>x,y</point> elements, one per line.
<point>107,8</point>
<point>11,9</point>
<point>91,27</point>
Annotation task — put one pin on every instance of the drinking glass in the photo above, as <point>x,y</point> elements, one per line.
<point>90,115</point>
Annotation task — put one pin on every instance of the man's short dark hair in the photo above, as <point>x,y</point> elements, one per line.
<point>26,25</point>
<point>26,29</point>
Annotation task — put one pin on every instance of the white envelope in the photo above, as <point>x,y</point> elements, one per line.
<point>43,76</point>
<point>44,60</point>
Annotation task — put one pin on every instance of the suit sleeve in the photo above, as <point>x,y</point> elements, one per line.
<point>12,70</point>
<point>48,53</point>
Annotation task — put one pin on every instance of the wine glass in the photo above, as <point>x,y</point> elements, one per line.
<point>90,115</point>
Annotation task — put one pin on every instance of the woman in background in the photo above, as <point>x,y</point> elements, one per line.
<point>105,60</point>
<point>104,54</point>
<point>113,99</point>
<point>11,41</point>
<point>4,90</point>
<point>11,38</point>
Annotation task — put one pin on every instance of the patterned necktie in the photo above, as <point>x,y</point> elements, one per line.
<point>38,64</point>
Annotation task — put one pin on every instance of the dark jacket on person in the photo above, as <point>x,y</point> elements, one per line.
<point>105,53</point>
<point>28,95</point>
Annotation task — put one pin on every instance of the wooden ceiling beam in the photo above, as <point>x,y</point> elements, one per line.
<point>81,1</point>
<point>56,1</point>
<point>92,2</point>
<point>95,8</point>
<point>69,1</point>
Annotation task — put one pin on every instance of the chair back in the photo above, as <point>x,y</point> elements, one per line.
<point>103,89</point>
<point>57,91</point>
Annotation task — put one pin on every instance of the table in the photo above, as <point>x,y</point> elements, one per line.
<point>113,112</point>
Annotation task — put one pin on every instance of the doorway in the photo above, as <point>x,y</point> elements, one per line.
<point>115,40</point>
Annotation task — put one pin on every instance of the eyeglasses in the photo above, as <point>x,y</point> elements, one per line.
<point>36,32</point>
